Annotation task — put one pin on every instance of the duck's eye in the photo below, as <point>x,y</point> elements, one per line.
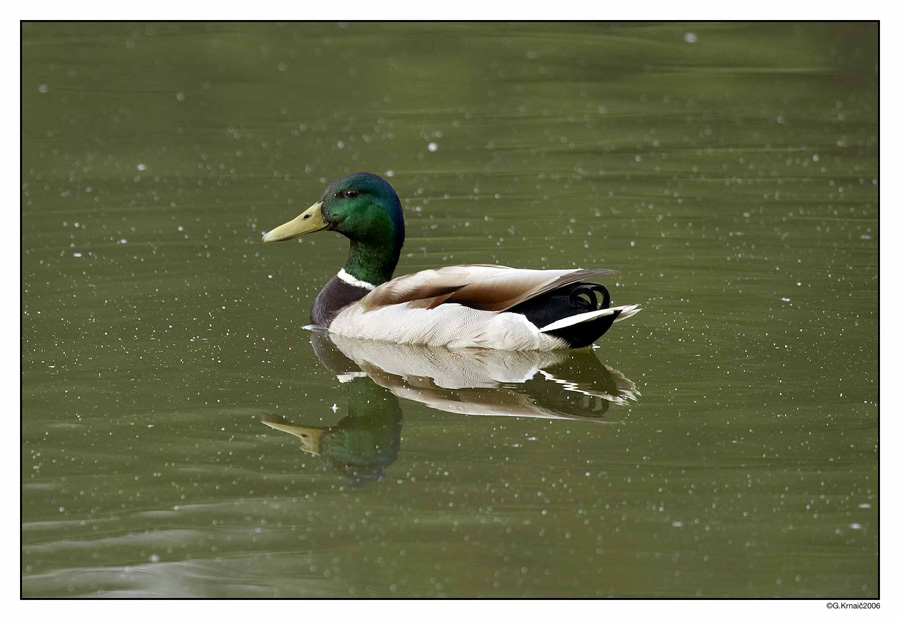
<point>350,193</point>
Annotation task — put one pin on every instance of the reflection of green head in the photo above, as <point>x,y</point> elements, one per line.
<point>363,443</point>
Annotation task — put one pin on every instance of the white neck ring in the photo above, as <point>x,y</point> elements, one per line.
<point>346,277</point>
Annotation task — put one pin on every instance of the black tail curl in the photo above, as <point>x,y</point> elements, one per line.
<point>585,296</point>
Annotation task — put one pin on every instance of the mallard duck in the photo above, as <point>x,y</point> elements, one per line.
<point>485,306</point>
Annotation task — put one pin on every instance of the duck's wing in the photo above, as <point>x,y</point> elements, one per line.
<point>483,287</point>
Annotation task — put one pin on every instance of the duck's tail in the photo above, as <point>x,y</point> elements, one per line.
<point>627,312</point>
<point>578,313</point>
<point>581,330</point>
<point>619,313</point>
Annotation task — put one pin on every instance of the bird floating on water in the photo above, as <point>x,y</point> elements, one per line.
<point>486,306</point>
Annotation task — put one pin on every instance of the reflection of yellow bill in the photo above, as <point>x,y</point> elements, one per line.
<point>310,437</point>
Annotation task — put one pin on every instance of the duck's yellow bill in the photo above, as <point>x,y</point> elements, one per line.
<point>309,221</point>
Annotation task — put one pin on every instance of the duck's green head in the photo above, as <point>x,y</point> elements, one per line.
<point>364,208</point>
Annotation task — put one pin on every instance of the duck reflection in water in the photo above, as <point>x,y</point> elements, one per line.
<point>571,385</point>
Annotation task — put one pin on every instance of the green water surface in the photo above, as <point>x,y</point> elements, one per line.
<point>721,443</point>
